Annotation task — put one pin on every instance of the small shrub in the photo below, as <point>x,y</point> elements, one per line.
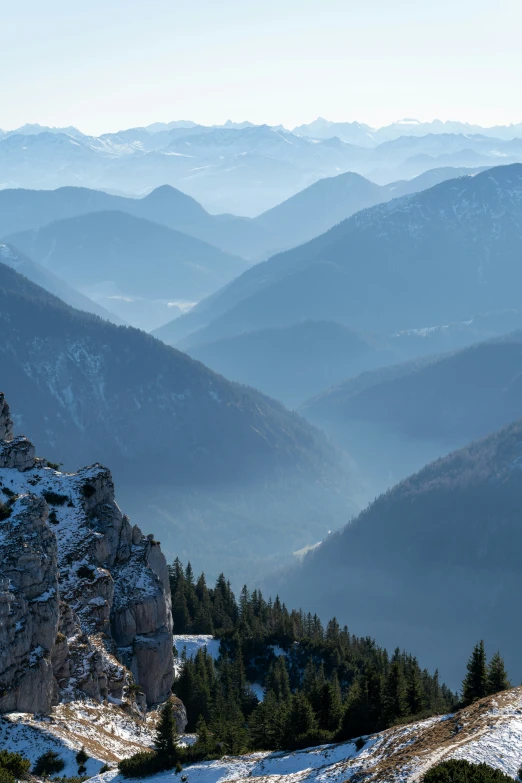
<point>8,492</point>
<point>313,737</point>
<point>103,769</point>
<point>14,763</point>
<point>461,771</point>
<point>53,517</point>
<point>6,776</point>
<point>5,511</point>
<point>141,765</point>
<point>360,742</point>
<point>54,465</point>
<point>54,498</point>
<point>48,763</point>
<point>81,757</point>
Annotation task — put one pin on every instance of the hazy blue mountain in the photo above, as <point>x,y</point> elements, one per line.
<point>395,419</point>
<point>32,129</point>
<point>351,132</point>
<point>139,257</point>
<point>430,178</point>
<point>319,207</point>
<point>302,217</point>
<point>292,363</point>
<point>212,462</point>
<point>41,276</point>
<point>442,545</point>
<point>296,362</point>
<point>359,133</point>
<point>409,156</point>
<point>237,168</point>
<point>327,202</point>
<point>431,258</point>
<point>22,209</point>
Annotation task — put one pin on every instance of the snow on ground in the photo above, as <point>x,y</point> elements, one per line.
<point>191,644</point>
<point>489,731</point>
<point>107,732</point>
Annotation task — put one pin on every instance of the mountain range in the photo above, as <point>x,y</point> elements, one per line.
<point>212,461</point>
<point>302,217</point>
<point>240,168</point>
<point>432,258</point>
<point>365,135</point>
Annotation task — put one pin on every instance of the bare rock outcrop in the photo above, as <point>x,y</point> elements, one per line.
<point>84,595</point>
<point>29,607</point>
<point>6,423</point>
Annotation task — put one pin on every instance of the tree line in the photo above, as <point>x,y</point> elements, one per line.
<point>320,683</point>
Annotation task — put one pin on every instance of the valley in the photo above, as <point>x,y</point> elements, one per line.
<point>292,353</point>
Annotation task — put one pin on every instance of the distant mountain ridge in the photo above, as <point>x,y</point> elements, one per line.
<point>203,455</point>
<point>296,362</point>
<point>395,419</point>
<point>123,249</point>
<point>302,217</point>
<point>420,260</point>
<point>238,168</point>
<point>360,133</point>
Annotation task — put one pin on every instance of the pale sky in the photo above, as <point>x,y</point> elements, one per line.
<point>102,65</point>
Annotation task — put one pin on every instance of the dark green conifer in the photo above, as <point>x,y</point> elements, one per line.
<point>497,676</point>
<point>165,741</point>
<point>475,684</point>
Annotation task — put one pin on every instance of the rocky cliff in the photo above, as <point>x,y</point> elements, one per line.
<point>84,595</point>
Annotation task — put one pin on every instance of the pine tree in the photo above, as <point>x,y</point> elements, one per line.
<point>204,739</point>
<point>415,691</point>
<point>301,720</point>
<point>475,684</point>
<point>395,698</point>
<point>278,681</point>
<point>497,675</point>
<point>356,715</point>
<point>165,741</point>
<point>331,708</point>
<point>267,724</point>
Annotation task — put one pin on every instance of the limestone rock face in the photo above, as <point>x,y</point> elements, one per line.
<point>84,595</point>
<point>17,453</point>
<point>6,423</point>
<point>29,607</point>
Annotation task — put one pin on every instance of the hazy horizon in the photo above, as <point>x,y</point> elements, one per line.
<point>307,121</point>
<point>102,67</point>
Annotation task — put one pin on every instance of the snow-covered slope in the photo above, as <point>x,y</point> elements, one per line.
<point>489,731</point>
